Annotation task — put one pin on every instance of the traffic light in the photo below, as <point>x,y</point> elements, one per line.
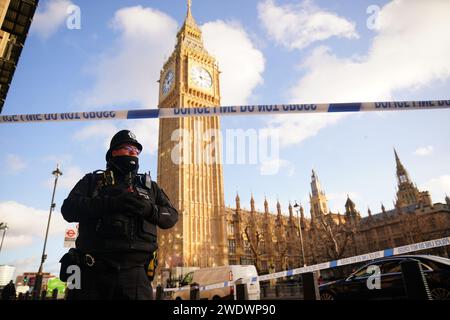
<point>25,280</point>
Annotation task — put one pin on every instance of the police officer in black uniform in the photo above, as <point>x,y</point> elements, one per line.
<point>118,211</point>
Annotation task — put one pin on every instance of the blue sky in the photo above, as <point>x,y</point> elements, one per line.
<point>269,51</point>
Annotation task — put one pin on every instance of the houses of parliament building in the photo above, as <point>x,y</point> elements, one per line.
<point>210,234</point>
<point>274,241</point>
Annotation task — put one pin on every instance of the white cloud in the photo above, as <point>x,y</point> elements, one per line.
<point>293,129</point>
<point>31,264</point>
<point>147,133</point>
<point>298,26</point>
<point>25,265</point>
<point>128,72</point>
<point>273,166</point>
<point>15,240</point>
<point>47,21</point>
<point>424,151</point>
<point>27,224</point>
<point>390,64</point>
<point>61,159</point>
<point>100,134</point>
<point>71,175</point>
<point>240,73</point>
<point>402,56</point>
<point>438,187</point>
<point>14,164</point>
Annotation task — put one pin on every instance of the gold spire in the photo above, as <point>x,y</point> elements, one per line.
<point>397,159</point>
<point>252,204</point>
<point>190,32</point>
<point>349,205</point>
<point>190,21</point>
<point>398,162</point>
<point>238,202</point>
<point>402,174</point>
<point>278,208</point>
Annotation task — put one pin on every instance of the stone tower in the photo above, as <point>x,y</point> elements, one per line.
<point>408,194</point>
<point>318,200</point>
<point>189,155</point>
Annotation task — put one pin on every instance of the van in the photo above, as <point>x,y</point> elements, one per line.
<point>208,276</point>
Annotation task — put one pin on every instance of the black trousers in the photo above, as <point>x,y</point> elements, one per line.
<point>126,284</point>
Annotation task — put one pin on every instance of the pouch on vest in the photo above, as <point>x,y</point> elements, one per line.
<point>116,226</point>
<point>71,258</point>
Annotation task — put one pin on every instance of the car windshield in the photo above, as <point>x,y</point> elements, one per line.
<point>187,279</point>
<point>393,266</point>
<point>365,271</point>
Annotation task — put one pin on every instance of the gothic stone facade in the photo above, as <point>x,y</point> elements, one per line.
<point>273,242</point>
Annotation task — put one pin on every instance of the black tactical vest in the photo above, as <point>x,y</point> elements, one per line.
<point>118,231</point>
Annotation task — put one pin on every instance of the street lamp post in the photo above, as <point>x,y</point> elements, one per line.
<point>38,281</point>
<point>4,227</point>
<point>300,232</point>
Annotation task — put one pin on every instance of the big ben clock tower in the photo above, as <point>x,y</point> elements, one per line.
<point>190,157</point>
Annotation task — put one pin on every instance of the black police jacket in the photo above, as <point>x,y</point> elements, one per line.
<point>110,232</point>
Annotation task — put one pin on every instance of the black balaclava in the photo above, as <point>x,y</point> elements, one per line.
<point>124,165</point>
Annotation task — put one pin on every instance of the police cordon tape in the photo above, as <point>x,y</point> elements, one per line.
<point>328,265</point>
<point>227,111</point>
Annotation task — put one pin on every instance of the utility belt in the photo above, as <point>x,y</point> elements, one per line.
<point>94,263</point>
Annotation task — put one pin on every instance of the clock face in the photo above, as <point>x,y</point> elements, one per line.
<point>168,82</point>
<point>201,77</point>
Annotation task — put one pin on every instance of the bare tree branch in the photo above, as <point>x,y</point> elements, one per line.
<point>335,238</point>
<point>254,243</point>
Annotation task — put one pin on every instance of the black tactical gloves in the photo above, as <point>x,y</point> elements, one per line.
<point>125,202</point>
<point>149,210</point>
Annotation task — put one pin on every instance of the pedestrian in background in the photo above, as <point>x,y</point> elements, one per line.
<point>9,291</point>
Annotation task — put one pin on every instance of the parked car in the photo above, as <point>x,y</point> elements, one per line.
<point>207,276</point>
<point>355,286</point>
